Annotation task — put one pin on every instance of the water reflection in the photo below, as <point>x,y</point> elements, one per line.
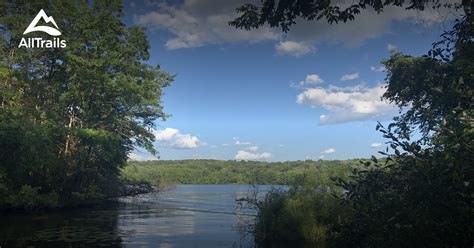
<point>186,216</point>
<point>76,227</point>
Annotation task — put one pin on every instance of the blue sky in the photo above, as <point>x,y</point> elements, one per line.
<point>264,95</point>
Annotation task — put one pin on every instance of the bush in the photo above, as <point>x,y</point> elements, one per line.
<point>29,198</point>
<point>308,214</point>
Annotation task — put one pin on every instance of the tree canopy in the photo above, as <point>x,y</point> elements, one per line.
<point>69,116</point>
<point>284,13</point>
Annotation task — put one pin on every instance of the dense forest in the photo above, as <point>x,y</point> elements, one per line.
<point>242,172</point>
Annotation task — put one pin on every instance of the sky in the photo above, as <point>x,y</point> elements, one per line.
<point>312,93</point>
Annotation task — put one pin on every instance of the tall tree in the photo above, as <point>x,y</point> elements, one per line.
<point>69,116</point>
<point>422,195</point>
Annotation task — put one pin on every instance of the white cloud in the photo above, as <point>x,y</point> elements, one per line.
<point>134,156</point>
<point>311,79</point>
<point>194,23</point>
<point>244,155</point>
<point>293,48</point>
<point>329,151</point>
<point>350,77</point>
<point>240,143</point>
<point>173,138</point>
<point>375,145</point>
<point>252,148</point>
<point>321,157</point>
<point>378,69</point>
<point>391,47</point>
<point>344,105</point>
<point>367,25</point>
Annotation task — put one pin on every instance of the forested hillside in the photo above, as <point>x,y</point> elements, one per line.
<point>231,171</point>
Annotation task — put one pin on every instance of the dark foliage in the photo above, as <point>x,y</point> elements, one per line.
<point>69,116</point>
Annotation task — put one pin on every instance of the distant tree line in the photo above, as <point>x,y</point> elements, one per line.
<point>201,171</point>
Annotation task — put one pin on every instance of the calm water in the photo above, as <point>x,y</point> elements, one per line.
<point>184,216</point>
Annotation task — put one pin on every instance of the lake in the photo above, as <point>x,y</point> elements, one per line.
<point>182,216</point>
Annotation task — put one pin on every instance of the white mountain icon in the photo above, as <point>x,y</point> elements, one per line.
<point>50,30</point>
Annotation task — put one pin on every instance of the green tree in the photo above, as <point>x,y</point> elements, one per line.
<point>69,116</point>
<point>421,195</point>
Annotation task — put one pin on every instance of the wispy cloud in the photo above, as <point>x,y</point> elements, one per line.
<point>252,148</point>
<point>375,145</point>
<point>378,69</point>
<point>350,77</point>
<point>194,23</point>
<point>237,142</point>
<point>391,47</point>
<point>198,23</point>
<point>293,48</point>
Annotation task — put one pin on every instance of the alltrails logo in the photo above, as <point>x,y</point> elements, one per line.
<point>40,42</point>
